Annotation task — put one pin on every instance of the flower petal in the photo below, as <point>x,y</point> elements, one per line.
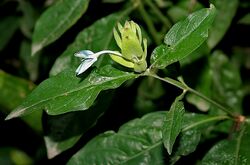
<point>84,54</point>
<point>85,65</point>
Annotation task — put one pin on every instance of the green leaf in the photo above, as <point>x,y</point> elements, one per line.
<point>226,81</point>
<point>193,126</point>
<point>173,124</point>
<point>13,91</point>
<point>225,14</point>
<point>55,21</point>
<point>187,143</point>
<point>66,92</point>
<point>63,131</point>
<point>232,151</point>
<point>137,142</point>
<point>31,63</point>
<point>8,26</point>
<point>204,84</point>
<point>97,37</point>
<point>14,156</point>
<point>183,38</point>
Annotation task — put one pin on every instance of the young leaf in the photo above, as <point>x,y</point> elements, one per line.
<point>172,124</point>
<point>231,151</point>
<point>55,21</point>
<point>97,37</point>
<point>137,142</point>
<point>183,38</point>
<point>225,14</point>
<point>66,92</point>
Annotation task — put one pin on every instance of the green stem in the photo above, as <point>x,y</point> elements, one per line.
<point>149,24</point>
<point>159,14</point>
<point>202,122</point>
<point>211,101</point>
<point>186,88</point>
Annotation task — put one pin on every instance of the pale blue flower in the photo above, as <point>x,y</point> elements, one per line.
<point>88,58</point>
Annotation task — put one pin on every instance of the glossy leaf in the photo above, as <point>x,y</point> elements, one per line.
<point>225,14</point>
<point>192,128</point>
<point>231,151</point>
<point>8,26</point>
<point>66,92</point>
<point>13,91</point>
<point>137,142</point>
<point>97,37</point>
<point>173,124</point>
<point>63,131</point>
<point>55,21</point>
<point>183,38</point>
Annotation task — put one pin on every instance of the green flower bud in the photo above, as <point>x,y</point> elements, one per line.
<point>129,39</point>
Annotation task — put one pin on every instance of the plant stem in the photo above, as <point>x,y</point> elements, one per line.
<point>159,14</point>
<point>149,24</point>
<point>186,88</point>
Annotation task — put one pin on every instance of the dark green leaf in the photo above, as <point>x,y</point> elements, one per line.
<point>187,143</point>
<point>192,128</point>
<point>97,37</point>
<point>13,156</point>
<point>137,142</point>
<point>148,92</point>
<point>204,85</point>
<point>232,151</point>
<point>245,19</point>
<point>66,92</point>
<point>182,9</point>
<point>183,38</point>
<point>63,131</point>
<point>226,81</point>
<point>13,91</point>
<point>55,21</point>
<point>8,26</point>
<point>112,1</point>
<point>225,14</point>
<point>173,124</point>
<point>27,21</point>
<point>31,63</point>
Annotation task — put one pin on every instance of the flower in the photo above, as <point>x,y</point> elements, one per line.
<point>129,41</point>
<point>88,58</point>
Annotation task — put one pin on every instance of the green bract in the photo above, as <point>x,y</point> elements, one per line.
<point>130,42</point>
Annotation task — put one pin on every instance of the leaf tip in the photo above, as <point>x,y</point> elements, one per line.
<point>14,114</point>
<point>35,48</point>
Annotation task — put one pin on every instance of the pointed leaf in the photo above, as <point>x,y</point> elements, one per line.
<point>183,38</point>
<point>173,124</point>
<point>97,37</point>
<point>225,14</point>
<point>55,21</point>
<point>137,142</point>
<point>66,92</point>
<point>234,151</point>
<point>193,126</point>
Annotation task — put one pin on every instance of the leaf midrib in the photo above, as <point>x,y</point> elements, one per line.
<point>69,92</point>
